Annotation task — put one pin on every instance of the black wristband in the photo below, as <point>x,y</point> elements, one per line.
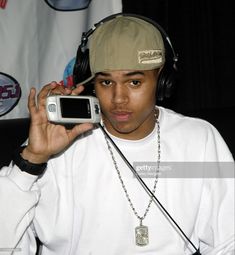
<point>26,166</point>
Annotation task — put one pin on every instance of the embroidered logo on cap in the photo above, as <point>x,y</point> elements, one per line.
<point>150,56</point>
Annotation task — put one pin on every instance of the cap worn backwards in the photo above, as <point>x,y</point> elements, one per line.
<point>126,43</point>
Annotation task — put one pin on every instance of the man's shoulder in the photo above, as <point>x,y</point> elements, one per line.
<point>169,116</point>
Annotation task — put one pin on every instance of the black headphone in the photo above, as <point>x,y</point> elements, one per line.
<point>167,77</point>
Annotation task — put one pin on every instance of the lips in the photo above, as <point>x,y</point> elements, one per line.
<point>121,115</point>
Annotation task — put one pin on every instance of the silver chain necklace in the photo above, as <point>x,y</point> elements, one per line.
<point>141,231</point>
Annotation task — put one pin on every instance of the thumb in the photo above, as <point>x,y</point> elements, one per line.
<point>79,129</point>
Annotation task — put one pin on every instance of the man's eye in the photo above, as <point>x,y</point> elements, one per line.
<point>135,83</point>
<point>106,83</point>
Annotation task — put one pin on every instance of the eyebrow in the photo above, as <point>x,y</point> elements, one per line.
<point>127,74</point>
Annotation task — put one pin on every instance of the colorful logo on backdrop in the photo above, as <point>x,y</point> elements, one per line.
<point>68,74</point>
<point>3,4</point>
<point>68,5</point>
<point>10,93</point>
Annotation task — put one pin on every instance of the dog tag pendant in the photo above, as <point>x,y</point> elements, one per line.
<point>141,235</point>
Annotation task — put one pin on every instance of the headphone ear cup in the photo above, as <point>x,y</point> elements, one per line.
<point>81,70</point>
<point>166,81</point>
<point>160,87</point>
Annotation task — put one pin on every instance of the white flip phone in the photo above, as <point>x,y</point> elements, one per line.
<point>72,109</point>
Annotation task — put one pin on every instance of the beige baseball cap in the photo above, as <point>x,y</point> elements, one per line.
<point>126,43</point>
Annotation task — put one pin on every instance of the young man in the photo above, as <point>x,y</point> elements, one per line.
<point>73,190</point>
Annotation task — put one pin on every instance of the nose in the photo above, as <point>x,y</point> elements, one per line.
<point>120,94</point>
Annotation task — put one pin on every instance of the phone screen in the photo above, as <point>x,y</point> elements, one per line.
<point>75,108</point>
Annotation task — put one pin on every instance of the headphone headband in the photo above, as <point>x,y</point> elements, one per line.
<point>86,35</point>
<point>166,79</point>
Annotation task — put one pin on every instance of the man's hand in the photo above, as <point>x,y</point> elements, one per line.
<point>45,138</point>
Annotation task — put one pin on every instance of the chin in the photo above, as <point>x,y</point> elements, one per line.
<point>124,128</point>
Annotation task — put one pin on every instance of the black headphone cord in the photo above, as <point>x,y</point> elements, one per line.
<point>146,188</point>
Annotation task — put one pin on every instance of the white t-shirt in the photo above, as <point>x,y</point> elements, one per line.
<point>79,206</point>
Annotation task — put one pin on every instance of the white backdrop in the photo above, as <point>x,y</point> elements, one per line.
<point>37,42</point>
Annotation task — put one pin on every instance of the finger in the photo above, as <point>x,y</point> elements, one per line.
<point>32,106</point>
<point>45,91</point>
<point>77,90</point>
<point>59,90</point>
<point>78,130</point>
<point>31,101</point>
